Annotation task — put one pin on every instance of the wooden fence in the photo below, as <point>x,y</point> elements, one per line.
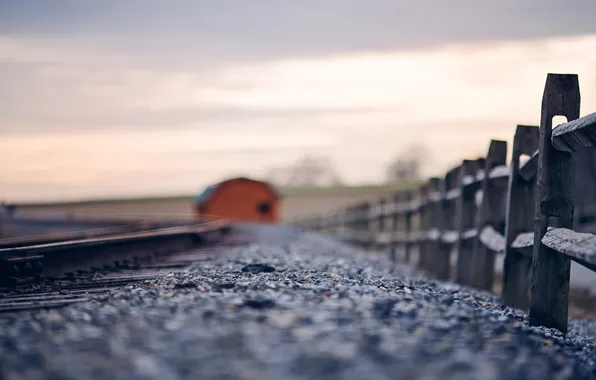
<point>484,207</point>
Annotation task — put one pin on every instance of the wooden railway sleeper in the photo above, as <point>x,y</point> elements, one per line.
<point>15,270</point>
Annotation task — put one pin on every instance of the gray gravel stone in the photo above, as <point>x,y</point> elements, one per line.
<point>327,311</point>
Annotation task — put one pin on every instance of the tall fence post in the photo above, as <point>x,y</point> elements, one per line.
<point>423,223</point>
<point>381,225</point>
<point>407,220</point>
<point>371,212</point>
<point>353,227</point>
<point>395,226</point>
<point>433,232</point>
<point>341,224</point>
<point>336,223</point>
<point>554,204</point>
<point>356,225</point>
<point>490,214</point>
<point>365,225</point>
<point>465,209</point>
<point>346,223</point>
<point>323,223</point>
<point>519,219</point>
<point>447,223</point>
<point>429,232</point>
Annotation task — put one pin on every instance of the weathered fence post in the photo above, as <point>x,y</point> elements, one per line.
<point>429,233</point>
<point>336,217</point>
<point>554,204</point>
<point>407,219</point>
<point>355,225</point>
<point>490,214</point>
<point>365,225</point>
<point>338,223</point>
<point>354,233</point>
<point>346,226</point>
<point>381,225</point>
<point>341,224</point>
<point>465,209</point>
<point>422,225</point>
<point>447,224</point>
<point>433,231</point>
<point>395,226</point>
<point>371,213</point>
<point>519,219</point>
<point>323,223</point>
<point>316,223</point>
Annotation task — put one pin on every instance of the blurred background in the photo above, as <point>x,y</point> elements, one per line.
<point>124,99</point>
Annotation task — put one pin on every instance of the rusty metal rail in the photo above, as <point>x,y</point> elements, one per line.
<point>97,283</point>
<point>22,241</point>
<point>52,260</point>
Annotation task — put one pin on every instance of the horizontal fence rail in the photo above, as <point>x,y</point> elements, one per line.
<point>486,207</point>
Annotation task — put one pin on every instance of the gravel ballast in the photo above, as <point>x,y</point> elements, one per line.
<point>294,306</point>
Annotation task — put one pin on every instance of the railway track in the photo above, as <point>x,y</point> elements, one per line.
<point>56,237</point>
<point>60,273</point>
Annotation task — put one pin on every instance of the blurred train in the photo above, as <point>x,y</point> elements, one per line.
<point>239,199</point>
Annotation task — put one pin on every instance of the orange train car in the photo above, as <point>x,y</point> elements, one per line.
<point>239,199</point>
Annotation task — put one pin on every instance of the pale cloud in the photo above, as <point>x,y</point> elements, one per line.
<point>102,125</point>
<point>82,164</point>
<point>441,85</point>
<point>459,81</point>
<point>205,30</point>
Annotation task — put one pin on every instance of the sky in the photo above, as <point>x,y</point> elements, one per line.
<point>125,98</point>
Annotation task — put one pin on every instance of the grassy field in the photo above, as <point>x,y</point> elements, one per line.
<point>382,189</point>
<point>297,203</point>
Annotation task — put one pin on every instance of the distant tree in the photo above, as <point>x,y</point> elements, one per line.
<point>407,165</point>
<point>308,171</point>
<point>277,176</point>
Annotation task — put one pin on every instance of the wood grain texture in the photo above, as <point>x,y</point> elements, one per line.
<point>576,134</point>
<point>518,220</point>
<point>395,241</point>
<point>554,199</point>
<point>465,212</point>
<point>523,240</point>
<point>489,214</point>
<point>433,213</point>
<point>363,224</point>
<point>381,225</point>
<point>407,220</point>
<point>450,183</point>
<point>528,169</point>
<point>423,226</point>
<point>492,239</point>
<point>580,247</point>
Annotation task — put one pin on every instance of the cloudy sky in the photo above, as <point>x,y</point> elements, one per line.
<point>117,98</point>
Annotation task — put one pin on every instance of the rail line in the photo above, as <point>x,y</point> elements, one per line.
<point>65,272</point>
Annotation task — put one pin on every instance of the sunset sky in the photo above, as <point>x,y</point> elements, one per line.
<point>123,98</point>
